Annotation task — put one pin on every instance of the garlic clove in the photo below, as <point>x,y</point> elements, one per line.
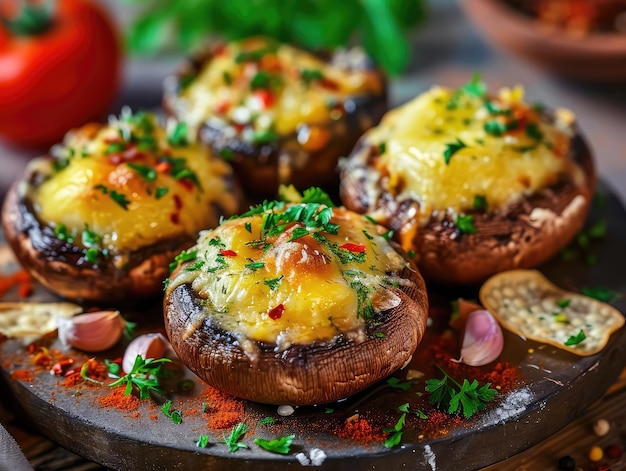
<point>483,340</point>
<point>93,331</point>
<point>147,345</point>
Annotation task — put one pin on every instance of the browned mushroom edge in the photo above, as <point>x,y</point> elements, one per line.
<point>520,235</point>
<point>262,167</point>
<point>318,373</point>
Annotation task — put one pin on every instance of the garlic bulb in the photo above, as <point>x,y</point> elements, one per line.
<point>93,331</point>
<point>147,345</point>
<point>483,340</point>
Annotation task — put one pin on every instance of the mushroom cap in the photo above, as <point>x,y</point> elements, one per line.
<point>316,373</point>
<point>523,234</point>
<point>62,267</point>
<point>262,166</point>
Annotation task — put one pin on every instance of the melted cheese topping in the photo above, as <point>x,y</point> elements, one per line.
<point>298,291</point>
<point>257,85</point>
<point>499,149</point>
<point>129,194</point>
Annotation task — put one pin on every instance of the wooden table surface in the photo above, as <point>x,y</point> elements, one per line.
<point>447,50</point>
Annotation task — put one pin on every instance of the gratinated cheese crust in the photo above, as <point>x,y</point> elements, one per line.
<point>262,89</point>
<point>455,150</point>
<point>127,185</point>
<point>292,275</point>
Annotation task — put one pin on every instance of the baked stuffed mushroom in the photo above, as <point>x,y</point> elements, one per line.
<point>295,304</point>
<point>473,183</point>
<point>280,115</point>
<point>101,216</point>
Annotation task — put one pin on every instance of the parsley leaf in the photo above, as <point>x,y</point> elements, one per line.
<point>280,445</point>
<point>475,87</point>
<point>143,375</point>
<point>203,441</point>
<point>175,415</point>
<point>465,224</point>
<point>177,137</point>
<point>601,294</point>
<point>480,203</point>
<point>233,440</point>
<point>146,172</point>
<point>451,149</point>
<point>274,283</point>
<point>575,339</point>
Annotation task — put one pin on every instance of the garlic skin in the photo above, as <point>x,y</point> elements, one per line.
<point>482,340</point>
<point>147,345</point>
<point>91,332</point>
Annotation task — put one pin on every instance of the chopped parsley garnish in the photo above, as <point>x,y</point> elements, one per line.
<point>452,397</point>
<point>180,171</point>
<point>575,339</point>
<point>160,192</point>
<point>233,441</point>
<point>318,196</point>
<point>274,283</point>
<point>475,87</point>
<point>279,445</point>
<point>143,375</point>
<point>365,309</point>
<point>266,421</point>
<point>146,172</point>
<point>183,257</point>
<point>248,227</point>
<point>382,148</point>
<point>61,233</point>
<point>387,235</point>
<point>298,232</point>
<point>396,431</point>
<point>119,198</point>
<point>254,266</point>
<point>228,78</point>
<point>203,441</point>
<point>451,149</point>
<point>563,303</point>
<point>115,147</point>
<point>89,238</point>
<point>177,137</point>
<point>495,128</point>
<point>465,224</point>
<point>601,294</point>
<point>92,255</point>
<point>480,203</point>
<point>534,132</point>
<point>250,56</point>
<point>265,136</point>
<point>227,153</point>
<point>260,80</point>
<point>309,76</point>
<point>175,416</point>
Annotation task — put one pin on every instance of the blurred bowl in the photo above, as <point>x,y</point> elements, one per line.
<point>597,57</point>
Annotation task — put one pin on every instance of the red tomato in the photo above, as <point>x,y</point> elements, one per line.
<point>60,78</point>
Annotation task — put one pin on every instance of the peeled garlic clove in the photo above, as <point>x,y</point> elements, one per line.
<point>483,340</point>
<point>93,331</point>
<point>147,345</point>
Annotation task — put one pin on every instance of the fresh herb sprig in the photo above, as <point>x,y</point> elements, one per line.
<point>380,26</point>
<point>143,375</point>
<point>453,397</point>
<point>278,445</point>
<point>233,441</point>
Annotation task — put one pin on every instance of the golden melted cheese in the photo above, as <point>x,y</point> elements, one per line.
<point>499,149</point>
<point>278,88</point>
<point>295,291</point>
<point>131,197</point>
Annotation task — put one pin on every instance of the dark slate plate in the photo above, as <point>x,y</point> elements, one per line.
<point>556,387</point>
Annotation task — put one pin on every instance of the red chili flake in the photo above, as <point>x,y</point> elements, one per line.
<point>266,97</point>
<point>228,253</point>
<point>186,183</point>
<point>359,248</point>
<point>115,159</point>
<point>178,203</point>
<point>222,107</point>
<point>276,312</point>
<point>163,167</point>
<point>174,217</point>
<point>59,367</point>
<point>329,84</point>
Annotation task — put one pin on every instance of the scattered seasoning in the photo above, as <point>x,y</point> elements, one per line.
<point>23,375</point>
<point>21,279</point>
<point>117,399</point>
<point>223,410</point>
<point>228,253</point>
<point>360,430</point>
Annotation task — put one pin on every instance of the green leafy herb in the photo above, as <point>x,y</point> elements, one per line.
<point>396,431</point>
<point>182,257</point>
<point>203,441</point>
<point>119,198</point>
<point>563,303</point>
<point>311,75</point>
<point>421,414</point>
<point>495,128</point>
<point>467,398</point>
<point>84,373</point>
<point>399,384</point>
<point>113,367</point>
<point>465,224</point>
<point>480,203</point>
<point>475,87</point>
<point>316,195</point>
<point>266,421</point>
<point>298,232</point>
<point>233,441</point>
<point>180,171</point>
<point>575,339</point>
<point>143,375</point>
<point>280,445</point>
<point>176,416</point>
<point>387,235</point>
<point>451,149</point>
<point>61,232</point>
<point>601,294</point>
<point>115,147</point>
<point>382,148</point>
<point>365,308</point>
<point>177,137</point>
<point>227,153</point>
<point>274,283</point>
<point>92,255</point>
<point>268,135</point>
<point>251,56</point>
<point>534,131</point>
<point>160,192</point>
<point>254,266</point>
<point>146,172</point>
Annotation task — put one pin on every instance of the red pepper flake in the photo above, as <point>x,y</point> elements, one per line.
<point>163,167</point>
<point>266,97</point>
<point>186,183</point>
<point>329,84</point>
<point>178,203</point>
<point>228,253</point>
<point>222,107</point>
<point>175,218</point>
<point>21,279</point>
<point>23,375</point>
<point>276,312</point>
<point>358,248</point>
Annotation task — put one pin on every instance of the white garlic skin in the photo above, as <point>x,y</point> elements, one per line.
<point>92,331</point>
<point>148,346</point>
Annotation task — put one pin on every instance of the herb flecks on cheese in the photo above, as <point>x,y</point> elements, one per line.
<point>294,274</point>
<point>447,146</point>
<point>526,303</point>
<point>262,90</point>
<point>129,184</point>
